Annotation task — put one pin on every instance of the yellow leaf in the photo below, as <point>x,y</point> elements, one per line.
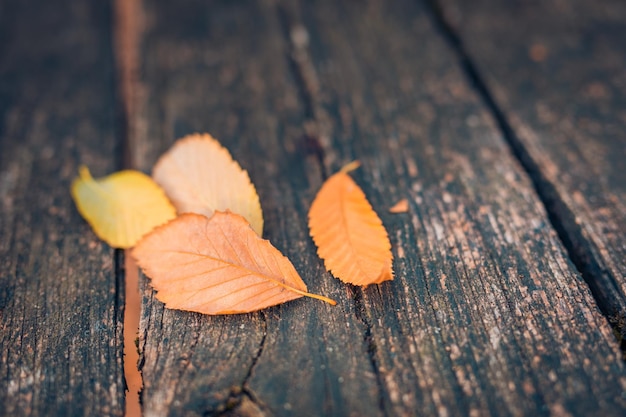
<point>349,235</point>
<point>200,176</point>
<point>122,207</point>
<point>217,266</point>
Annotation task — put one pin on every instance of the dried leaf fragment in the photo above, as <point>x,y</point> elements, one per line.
<point>349,235</point>
<point>401,206</point>
<point>121,207</point>
<point>200,176</point>
<point>217,266</point>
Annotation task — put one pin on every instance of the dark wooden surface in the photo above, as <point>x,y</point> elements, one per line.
<point>556,71</point>
<point>60,316</point>
<point>488,314</point>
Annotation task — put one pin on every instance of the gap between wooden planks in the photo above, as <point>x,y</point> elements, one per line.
<point>132,309</point>
<point>126,32</point>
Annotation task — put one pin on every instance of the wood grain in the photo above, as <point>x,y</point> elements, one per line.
<point>556,72</point>
<point>60,315</point>
<point>223,68</point>
<point>487,315</point>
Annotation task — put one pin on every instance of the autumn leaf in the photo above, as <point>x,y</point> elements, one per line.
<point>217,266</point>
<point>200,176</point>
<point>349,235</point>
<point>401,206</point>
<point>121,207</point>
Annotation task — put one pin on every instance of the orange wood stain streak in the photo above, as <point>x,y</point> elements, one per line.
<point>132,310</point>
<point>128,29</point>
<point>128,24</point>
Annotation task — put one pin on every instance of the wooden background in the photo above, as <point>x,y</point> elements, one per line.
<point>502,123</point>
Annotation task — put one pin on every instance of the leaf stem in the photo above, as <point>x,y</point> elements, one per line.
<point>350,166</point>
<point>316,296</point>
<point>84,174</point>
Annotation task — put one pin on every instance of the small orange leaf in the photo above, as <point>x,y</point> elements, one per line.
<point>200,176</point>
<point>350,237</point>
<point>401,206</point>
<point>121,207</point>
<point>217,266</point>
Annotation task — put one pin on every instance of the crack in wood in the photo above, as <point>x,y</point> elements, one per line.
<point>300,61</point>
<point>240,396</point>
<point>126,32</point>
<point>369,340</point>
<point>312,145</point>
<point>599,279</point>
<point>259,352</point>
<point>118,306</point>
<point>307,82</point>
<point>240,403</point>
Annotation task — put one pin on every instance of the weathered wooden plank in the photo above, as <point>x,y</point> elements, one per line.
<point>556,72</point>
<point>489,314</point>
<point>223,68</point>
<point>60,320</point>
<point>486,316</point>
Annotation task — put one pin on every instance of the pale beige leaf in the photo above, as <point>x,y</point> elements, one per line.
<point>200,176</point>
<point>217,266</point>
<point>349,235</point>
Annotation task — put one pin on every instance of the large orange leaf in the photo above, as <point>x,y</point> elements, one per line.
<point>349,235</point>
<point>217,266</point>
<point>121,207</point>
<point>200,176</point>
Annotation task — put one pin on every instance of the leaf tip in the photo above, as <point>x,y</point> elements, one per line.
<point>386,274</point>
